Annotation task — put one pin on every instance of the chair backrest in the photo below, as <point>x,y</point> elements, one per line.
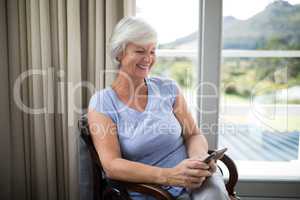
<point>103,188</point>
<point>98,180</point>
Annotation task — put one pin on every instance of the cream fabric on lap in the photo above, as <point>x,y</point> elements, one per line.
<point>212,189</point>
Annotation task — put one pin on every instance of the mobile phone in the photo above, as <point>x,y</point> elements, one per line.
<point>216,155</point>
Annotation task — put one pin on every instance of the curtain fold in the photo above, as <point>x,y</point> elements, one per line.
<point>52,60</point>
<point>100,16</point>
<point>5,150</point>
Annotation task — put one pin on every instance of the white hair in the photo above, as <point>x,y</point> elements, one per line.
<point>130,29</point>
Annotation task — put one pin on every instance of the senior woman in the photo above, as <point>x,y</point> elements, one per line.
<point>141,126</point>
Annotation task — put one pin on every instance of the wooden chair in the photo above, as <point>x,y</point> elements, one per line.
<point>121,188</point>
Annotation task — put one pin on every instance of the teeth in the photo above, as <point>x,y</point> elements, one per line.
<point>143,66</point>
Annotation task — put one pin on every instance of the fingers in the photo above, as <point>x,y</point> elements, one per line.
<point>197,164</point>
<point>197,173</point>
<point>212,166</point>
<point>190,173</point>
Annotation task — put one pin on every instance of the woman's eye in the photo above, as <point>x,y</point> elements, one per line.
<point>153,52</point>
<point>139,51</point>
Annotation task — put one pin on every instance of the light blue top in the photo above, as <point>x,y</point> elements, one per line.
<point>151,137</point>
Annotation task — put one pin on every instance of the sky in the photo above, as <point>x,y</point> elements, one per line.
<point>242,9</point>
<point>177,18</point>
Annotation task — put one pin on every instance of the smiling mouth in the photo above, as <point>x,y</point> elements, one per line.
<point>144,67</point>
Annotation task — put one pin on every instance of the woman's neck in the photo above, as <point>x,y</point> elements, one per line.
<point>129,86</point>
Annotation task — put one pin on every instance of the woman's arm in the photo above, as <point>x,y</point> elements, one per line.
<point>104,136</point>
<point>196,143</point>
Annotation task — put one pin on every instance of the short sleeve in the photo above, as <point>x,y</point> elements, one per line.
<point>102,102</point>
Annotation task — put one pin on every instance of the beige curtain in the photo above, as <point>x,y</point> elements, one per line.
<point>52,58</point>
<point>98,17</point>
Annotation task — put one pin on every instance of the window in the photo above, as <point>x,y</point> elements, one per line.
<point>260,87</point>
<point>240,64</point>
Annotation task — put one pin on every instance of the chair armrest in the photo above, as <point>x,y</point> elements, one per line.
<point>233,174</point>
<point>148,189</point>
<point>161,194</point>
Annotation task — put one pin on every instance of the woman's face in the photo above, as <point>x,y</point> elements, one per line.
<point>137,59</point>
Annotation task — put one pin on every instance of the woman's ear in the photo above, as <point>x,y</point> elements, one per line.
<point>120,56</point>
<point>122,53</point>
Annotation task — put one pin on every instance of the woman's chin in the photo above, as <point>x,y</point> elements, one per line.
<point>142,73</point>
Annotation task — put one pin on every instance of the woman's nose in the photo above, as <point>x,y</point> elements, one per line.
<point>147,57</point>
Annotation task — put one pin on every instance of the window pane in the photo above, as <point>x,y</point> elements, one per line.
<point>260,87</point>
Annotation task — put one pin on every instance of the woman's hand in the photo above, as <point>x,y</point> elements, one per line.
<point>190,173</point>
<point>212,164</point>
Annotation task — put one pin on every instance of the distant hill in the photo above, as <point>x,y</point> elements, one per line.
<point>253,33</point>
<point>187,42</point>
